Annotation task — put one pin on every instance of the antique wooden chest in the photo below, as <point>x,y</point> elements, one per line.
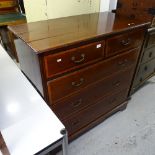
<point>83,65</point>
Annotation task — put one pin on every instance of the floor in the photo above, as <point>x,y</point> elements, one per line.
<point>131,132</point>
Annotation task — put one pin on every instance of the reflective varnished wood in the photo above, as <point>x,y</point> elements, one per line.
<point>73,82</point>
<point>55,33</point>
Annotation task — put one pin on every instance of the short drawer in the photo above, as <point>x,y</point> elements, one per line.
<point>91,94</point>
<point>144,72</point>
<point>66,85</point>
<point>123,42</point>
<point>95,111</point>
<point>65,61</point>
<point>148,54</point>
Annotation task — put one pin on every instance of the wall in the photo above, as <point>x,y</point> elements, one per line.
<point>104,6</point>
<point>37,10</point>
<point>108,5</point>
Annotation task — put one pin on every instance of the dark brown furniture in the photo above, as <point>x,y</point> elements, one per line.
<point>83,65</point>
<point>9,15</point>
<point>146,65</point>
<point>140,9</point>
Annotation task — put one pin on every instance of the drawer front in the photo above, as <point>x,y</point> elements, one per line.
<point>148,54</point>
<point>73,82</point>
<point>91,94</point>
<point>64,61</point>
<point>144,72</point>
<point>95,111</point>
<point>124,42</point>
<point>151,40</point>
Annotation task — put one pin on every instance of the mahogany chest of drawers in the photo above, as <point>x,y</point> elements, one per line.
<point>83,65</point>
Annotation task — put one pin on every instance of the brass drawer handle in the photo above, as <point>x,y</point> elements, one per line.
<point>76,122</point>
<point>78,61</point>
<point>77,104</point>
<point>126,42</point>
<point>150,54</point>
<point>117,84</point>
<point>112,100</point>
<point>131,24</point>
<point>78,84</point>
<point>145,68</point>
<point>123,63</point>
<point>141,79</point>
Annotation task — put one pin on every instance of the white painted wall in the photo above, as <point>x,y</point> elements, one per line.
<point>64,8</point>
<point>113,4</point>
<point>107,5</point>
<point>37,10</point>
<point>104,5</point>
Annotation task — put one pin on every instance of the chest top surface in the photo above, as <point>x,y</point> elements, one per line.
<point>51,34</point>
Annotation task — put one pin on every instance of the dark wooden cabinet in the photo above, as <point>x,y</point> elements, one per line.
<point>59,63</point>
<point>85,74</point>
<point>146,65</point>
<point>136,8</point>
<point>142,9</point>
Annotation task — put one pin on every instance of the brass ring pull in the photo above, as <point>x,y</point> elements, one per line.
<point>77,104</point>
<point>126,42</point>
<point>112,101</point>
<point>76,122</point>
<point>117,84</point>
<point>78,84</point>
<point>131,24</point>
<point>141,79</point>
<point>78,61</point>
<point>122,63</point>
<point>145,68</point>
<point>150,54</point>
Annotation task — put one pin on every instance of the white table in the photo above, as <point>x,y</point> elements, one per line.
<point>27,124</point>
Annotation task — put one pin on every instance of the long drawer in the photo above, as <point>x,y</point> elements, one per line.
<point>91,94</point>
<point>73,82</point>
<point>65,61</point>
<point>95,111</point>
<point>125,41</point>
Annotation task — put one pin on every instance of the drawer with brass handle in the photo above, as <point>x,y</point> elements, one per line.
<point>93,112</point>
<point>89,95</point>
<point>123,42</point>
<point>66,85</point>
<point>65,61</point>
